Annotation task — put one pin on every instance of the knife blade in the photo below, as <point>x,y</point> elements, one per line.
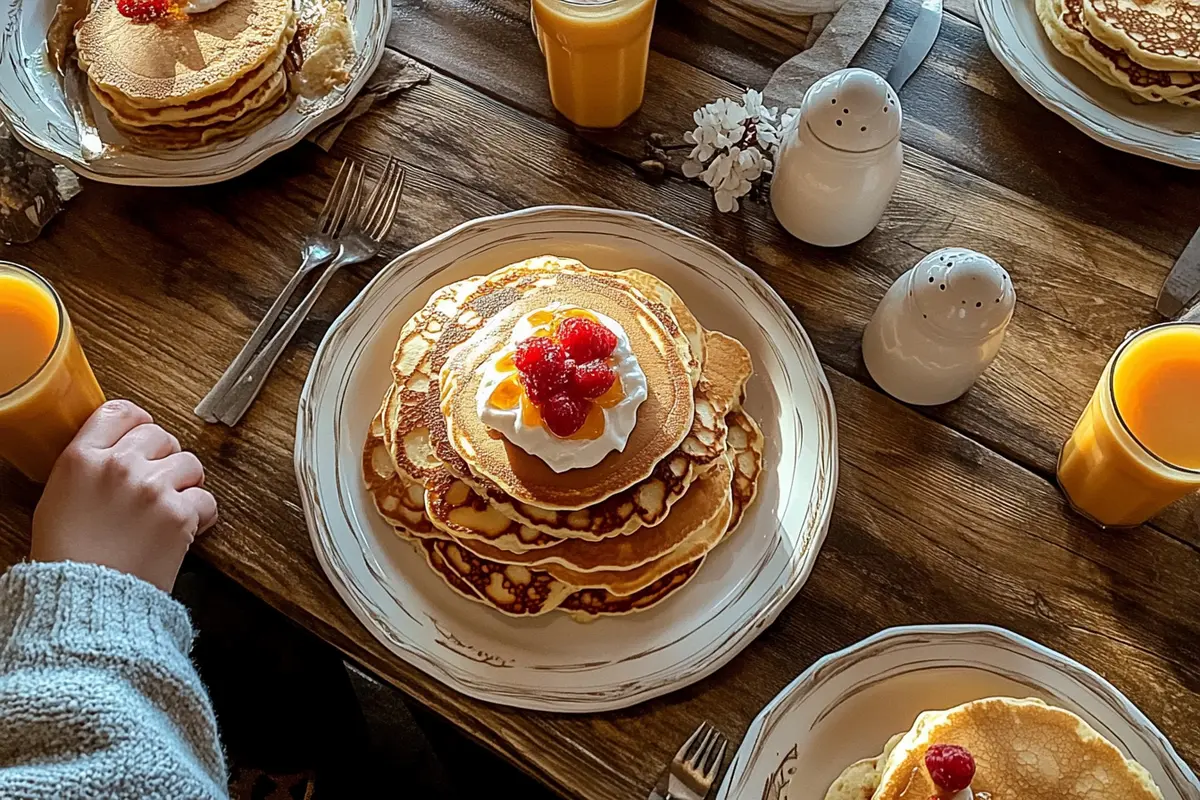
<point>1182,285</point>
<point>917,44</point>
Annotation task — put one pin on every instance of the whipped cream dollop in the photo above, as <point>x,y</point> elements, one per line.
<point>565,454</point>
<point>200,6</point>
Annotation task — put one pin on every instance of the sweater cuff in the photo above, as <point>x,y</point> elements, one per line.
<point>51,609</point>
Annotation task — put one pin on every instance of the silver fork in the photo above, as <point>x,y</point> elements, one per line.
<point>317,250</point>
<point>695,767</point>
<point>359,241</point>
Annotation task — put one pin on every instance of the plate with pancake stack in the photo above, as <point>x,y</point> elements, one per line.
<point>566,459</point>
<point>1125,72</point>
<point>182,92</point>
<point>954,712</point>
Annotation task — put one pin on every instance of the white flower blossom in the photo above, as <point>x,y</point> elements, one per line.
<point>733,145</point>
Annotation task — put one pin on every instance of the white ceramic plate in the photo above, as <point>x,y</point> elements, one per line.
<point>1159,131</point>
<point>847,705</point>
<point>552,663</point>
<point>32,103</point>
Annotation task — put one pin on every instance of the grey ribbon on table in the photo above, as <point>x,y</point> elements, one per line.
<point>838,39</point>
<point>34,190</point>
<point>396,72</point>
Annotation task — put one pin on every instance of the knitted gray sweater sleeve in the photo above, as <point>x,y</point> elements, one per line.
<point>98,698</point>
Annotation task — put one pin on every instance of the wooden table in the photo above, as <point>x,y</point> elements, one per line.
<point>942,515</point>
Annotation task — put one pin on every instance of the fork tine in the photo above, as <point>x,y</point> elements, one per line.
<point>696,762</point>
<point>348,202</point>
<point>375,200</point>
<point>355,197</point>
<point>681,756</point>
<point>388,215</point>
<point>335,193</point>
<point>711,771</point>
<point>379,201</point>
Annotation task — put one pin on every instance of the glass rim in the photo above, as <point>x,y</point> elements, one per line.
<point>1112,391</point>
<point>62,324</point>
<point>588,3</point>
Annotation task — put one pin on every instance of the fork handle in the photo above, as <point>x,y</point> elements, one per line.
<point>243,393</point>
<point>207,408</point>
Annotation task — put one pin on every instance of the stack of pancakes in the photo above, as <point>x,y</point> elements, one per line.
<point>1023,750</point>
<point>189,79</point>
<point>501,527</point>
<point>1150,49</point>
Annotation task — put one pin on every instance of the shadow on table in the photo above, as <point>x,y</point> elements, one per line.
<point>298,724</point>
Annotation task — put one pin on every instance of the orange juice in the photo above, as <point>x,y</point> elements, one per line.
<point>596,53</point>
<point>47,389</point>
<point>1136,449</point>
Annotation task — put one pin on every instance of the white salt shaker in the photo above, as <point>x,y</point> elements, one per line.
<point>939,326</point>
<point>839,162</point>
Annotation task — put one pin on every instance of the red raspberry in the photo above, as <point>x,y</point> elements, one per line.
<point>951,767</point>
<point>143,10</point>
<point>592,379</point>
<point>585,340</point>
<point>564,415</point>
<point>541,385</point>
<point>531,351</point>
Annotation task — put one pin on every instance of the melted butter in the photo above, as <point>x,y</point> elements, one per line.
<point>507,394</point>
<point>593,426</point>
<point>614,395</point>
<point>530,415</point>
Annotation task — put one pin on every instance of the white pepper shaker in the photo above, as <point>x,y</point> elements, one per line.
<point>840,160</point>
<point>939,326</point>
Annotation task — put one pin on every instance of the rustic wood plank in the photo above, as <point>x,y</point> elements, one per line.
<point>961,106</point>
<point>931,526</point>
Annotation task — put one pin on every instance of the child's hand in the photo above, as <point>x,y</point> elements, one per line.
<point>124,496</point>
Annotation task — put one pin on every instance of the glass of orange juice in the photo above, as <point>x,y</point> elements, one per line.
<point>47,389</point>
<point>596,53</point>
<point>1136,448</point>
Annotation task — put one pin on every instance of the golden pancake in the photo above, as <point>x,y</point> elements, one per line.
<point>266,93</point>
<point>453,507</point>
<point>452,315</point>
<point>713,490</point>
<point>659,292</point>
<point>860,780</point>
<point>165,138</point>
<point>745,443</point>
<point>175,61</point>
<point>663,419</point>
<point>587,604</point>
<point>1023,749</point>
<point>415,377</point>
<point>1063,22</point>
<point>399,502</point>
<point>583,605</point>
<point>520,591</point>
<point>703,501</point>
<point>722,382</point>
<point>1157,34</point>
<point>249,84</point>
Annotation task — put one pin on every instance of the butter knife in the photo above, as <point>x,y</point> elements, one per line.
<point>917,44</point>
<point>1182,285</point>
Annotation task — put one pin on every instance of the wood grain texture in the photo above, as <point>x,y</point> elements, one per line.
<point>942,515</point>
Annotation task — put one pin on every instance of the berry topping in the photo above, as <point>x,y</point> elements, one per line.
<point>592,379</point>
<point>143,10</point>
<point>951,767</point>
<point>586,340</point>
<point>564,414</point>
<point>534,350</point>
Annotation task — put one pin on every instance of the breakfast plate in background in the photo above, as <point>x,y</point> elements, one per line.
<point>33,103</point>
<point>845,707</point>
<point>1156,130</point>
<point>552,662</point>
